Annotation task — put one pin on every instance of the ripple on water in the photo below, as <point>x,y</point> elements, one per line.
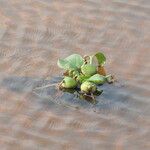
<point>34,34</point>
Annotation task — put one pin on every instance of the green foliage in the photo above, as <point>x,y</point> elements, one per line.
<point>82,73</point>
<point>72,62</point>
<point>100,58</point>
<point>88,69</point>
<point>69,82</point>
<point>88,87</point>
<point>82,78</point>
<point>97,79</point>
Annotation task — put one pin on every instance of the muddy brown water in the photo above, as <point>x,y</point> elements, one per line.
<point>34,34</point>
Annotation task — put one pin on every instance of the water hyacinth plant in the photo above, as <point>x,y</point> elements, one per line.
<point>82,73</point>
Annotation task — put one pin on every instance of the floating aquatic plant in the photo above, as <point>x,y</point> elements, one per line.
<point>83,74</point>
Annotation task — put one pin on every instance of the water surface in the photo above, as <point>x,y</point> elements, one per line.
<point>34,34</point>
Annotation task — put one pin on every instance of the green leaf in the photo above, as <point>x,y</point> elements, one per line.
<point>73,62</point>
<point>97,79</point>
<point>100,58</point>
<point>82,78</point>
<point>62,63</point>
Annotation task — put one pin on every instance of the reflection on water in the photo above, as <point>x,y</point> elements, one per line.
<point>34,34</point>
<point>112,95</point>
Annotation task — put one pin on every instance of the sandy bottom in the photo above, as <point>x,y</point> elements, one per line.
<point>34,34</point>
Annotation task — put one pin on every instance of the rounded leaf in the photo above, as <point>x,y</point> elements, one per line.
<point>97,79</point>
<point>72,62</point>
<point>100,58</point>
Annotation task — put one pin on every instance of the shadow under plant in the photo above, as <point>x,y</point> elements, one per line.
<point>114,96</point>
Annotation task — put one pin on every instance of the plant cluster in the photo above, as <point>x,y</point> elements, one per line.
<point>84,73</point>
